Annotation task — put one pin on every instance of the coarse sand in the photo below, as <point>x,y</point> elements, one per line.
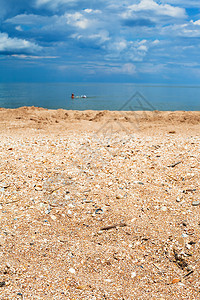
<point>99,205</point>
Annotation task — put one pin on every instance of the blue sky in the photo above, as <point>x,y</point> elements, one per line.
<point>142,41</point>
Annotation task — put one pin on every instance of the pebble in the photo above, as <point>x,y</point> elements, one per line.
<point>138,182</point>
<point>133,274</point>
<point>99,211</point>
<point>195,203</point>
<point>175,280</point>
<point>181,284</point>
<point>164,208</point>
<point>189,268</point>
<point>2,283</point>
<point>48,210</point>
<point>72,271</point>
<point>184,235</point>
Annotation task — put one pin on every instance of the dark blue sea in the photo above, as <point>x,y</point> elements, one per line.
<point>100,96</point>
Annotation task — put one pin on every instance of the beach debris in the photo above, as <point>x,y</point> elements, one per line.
<point>196,203</point>
<point>2,283</point>
<point>119,197</point>
<point>163,208</point>
<point>188,274</point>
<point>99,211</point>
<point>133,274</point>
<point>189,190</point>
<point>113,226</point>
<point>175,164</point>
<point>138,182</point>
<point>176,280</point>
<point>179,259</point>
<point>72,271</point>
<point>48,210</point>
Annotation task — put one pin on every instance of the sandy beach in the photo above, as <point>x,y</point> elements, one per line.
<point>99,205</point>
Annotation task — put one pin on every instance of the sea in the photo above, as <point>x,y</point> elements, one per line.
<point>100,96</point>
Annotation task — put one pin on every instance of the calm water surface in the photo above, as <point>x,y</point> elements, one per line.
<point>100,96</point>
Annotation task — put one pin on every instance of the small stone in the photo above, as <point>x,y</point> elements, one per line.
<point>189,268</point>
<point>48,210</point>
<point>99,211</point>
<point>178,199</point>
<point>184,235</point>
<point>53,217</point>
<point>133,274</point>
<point>81,287</point>
<point>138,182</point>
<point>164,208</point>
<point>175,280</point>
<point>72,271</point>
<point>181,284</point>
<point>195,203</point>
<point>2,283</point>
<point>8,265</point>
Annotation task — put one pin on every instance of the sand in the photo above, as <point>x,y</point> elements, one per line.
<point>99,204</point>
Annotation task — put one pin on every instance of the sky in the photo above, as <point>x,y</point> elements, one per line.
<point>144,41</point>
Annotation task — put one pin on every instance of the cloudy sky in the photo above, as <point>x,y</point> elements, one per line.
<point>144,41</point>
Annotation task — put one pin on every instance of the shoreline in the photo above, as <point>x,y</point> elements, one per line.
<point>35,116</point>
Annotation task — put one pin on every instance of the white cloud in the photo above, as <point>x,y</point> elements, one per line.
<point>183,3</point>
<point>102,36</point>
<point>97,38</point>
<point>190,29</point>
<point>23,56</point>
<point>92,11</point>
<point>158,9</point>
<point>127,50</point>
<point>18,28</point>
<point>151,68</point>
<point>128,69</point>
<point>156,42</point>
<point>196,22</point>
<point>53,3</point>
<point>30,19</point>
<point>78,20</point>
<point>15,45</point>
